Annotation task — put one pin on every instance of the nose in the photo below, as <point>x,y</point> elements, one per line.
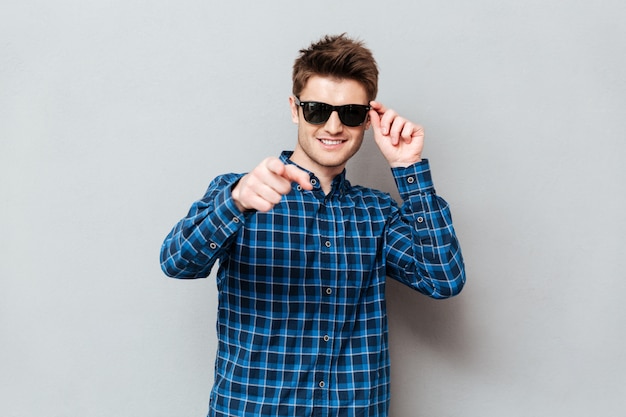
<point>333,124</point>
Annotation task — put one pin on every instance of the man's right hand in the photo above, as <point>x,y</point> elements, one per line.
<point>263,187</point>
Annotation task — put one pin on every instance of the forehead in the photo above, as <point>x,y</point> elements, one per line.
<point>336,91</point>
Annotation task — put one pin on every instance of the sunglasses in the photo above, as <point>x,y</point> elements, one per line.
<point>316,113</point>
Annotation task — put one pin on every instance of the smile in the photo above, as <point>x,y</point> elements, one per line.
<point>331,142</point>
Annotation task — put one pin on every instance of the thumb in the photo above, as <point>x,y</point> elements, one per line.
<point>375,121</point>
<point>295,174</point>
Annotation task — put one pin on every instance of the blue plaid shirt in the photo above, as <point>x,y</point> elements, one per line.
<point>302,325</point>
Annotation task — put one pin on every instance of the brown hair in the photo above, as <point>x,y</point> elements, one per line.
<point>340,57</point>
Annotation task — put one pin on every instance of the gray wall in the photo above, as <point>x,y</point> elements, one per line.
<point>115,115</point>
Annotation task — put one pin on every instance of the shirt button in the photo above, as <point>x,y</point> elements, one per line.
<point>313,181</point>
<point>322,384</point>
<point>329,291</point>
<point>326,338</point>
<point>420,219</point>
<point>236,219</point>
<point>410,180</point>
<point>299,188</point>
<point>212,245</point>
<point>327,243</point>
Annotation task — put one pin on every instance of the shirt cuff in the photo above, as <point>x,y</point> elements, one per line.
<point>230,218</point>
<point>414,179</point>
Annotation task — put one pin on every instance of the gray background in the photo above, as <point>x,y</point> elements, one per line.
<point>115,115</point>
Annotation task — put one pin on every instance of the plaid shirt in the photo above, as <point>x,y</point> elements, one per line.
<point>302,325</point>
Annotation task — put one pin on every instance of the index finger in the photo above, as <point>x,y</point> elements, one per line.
<point>295,174</point>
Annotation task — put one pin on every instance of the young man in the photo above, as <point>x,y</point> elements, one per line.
<point>304,254</point>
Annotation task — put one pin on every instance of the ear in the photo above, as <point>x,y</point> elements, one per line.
<point>295,114</point>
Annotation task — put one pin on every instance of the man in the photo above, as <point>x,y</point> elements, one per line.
<point>304,254</point>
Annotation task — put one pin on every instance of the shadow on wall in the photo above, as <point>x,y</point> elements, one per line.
<point>427,325</point>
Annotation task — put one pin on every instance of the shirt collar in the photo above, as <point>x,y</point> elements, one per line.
<point>340,184</point>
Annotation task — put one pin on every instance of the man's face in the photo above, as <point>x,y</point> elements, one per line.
<point>326,148</point>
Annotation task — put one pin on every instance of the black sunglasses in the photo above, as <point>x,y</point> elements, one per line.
<point>317,113</point>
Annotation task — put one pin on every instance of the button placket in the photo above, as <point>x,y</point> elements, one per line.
<point>327,218</point>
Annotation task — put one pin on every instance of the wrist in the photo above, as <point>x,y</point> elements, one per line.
<point>404,164</point>
<point>234,194</point>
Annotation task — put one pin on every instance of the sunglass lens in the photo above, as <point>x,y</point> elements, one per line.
<point>316,113</point>
<point>353,115</point>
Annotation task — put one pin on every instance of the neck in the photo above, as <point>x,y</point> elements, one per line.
<point>326,174</point>
<point>326,182</point>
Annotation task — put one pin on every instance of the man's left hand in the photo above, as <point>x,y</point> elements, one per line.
<point>399,140</point>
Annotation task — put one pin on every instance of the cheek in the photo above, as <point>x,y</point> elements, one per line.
<point>304,131</point>
<point>358,134</point>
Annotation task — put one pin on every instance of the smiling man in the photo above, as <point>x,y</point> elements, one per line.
<point>304,255</point>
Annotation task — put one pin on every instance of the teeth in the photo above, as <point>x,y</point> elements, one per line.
<point>331,142</point>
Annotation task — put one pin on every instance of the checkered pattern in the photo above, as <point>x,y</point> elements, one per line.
<point>302,326</point>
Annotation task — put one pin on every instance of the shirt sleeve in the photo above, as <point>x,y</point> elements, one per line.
<point>198,240</point>
<point>422,249</point>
